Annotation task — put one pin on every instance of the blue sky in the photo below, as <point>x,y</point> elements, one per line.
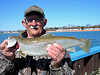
<point>58,12</point>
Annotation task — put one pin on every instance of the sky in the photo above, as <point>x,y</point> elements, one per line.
<point>58,12</point>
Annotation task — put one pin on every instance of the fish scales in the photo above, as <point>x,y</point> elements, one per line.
<point>36,46</point>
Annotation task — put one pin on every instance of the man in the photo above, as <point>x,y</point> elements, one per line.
<point>34,22</point>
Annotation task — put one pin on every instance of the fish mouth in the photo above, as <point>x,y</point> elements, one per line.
<point>34,27</point>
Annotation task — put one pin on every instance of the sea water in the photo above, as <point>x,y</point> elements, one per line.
<point>94,36</point>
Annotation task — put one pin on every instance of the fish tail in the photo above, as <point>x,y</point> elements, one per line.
<point>87,45</point>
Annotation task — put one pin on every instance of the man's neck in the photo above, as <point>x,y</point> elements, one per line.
<point>31,36</point>
<point>25,34</point>
<point>38,35</point>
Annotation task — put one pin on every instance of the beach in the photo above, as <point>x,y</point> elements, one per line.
<point>72,30</point>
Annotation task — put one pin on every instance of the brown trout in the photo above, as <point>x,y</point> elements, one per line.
<point>36,46</point>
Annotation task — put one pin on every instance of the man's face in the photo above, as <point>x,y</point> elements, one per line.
<point>34,25</point>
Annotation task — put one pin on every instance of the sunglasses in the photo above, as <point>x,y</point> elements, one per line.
<point>36,18</point>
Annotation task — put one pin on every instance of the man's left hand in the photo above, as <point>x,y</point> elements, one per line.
<point>56,52</point>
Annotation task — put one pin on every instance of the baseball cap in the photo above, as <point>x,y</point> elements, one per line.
<point>34,9</point>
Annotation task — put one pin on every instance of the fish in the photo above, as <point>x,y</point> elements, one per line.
<point>36,46</point>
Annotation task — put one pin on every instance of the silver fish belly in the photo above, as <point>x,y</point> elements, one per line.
<point>36,47</point>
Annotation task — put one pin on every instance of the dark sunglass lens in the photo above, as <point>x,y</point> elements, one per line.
<point>29,19</point>
<point>37,19</point>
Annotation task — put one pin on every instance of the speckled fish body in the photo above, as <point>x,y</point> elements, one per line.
<point>37,46</point>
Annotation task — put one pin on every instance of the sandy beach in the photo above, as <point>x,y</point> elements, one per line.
<point>87,30</point>
<point>74,30</point>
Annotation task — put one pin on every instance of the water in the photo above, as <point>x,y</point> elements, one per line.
<point>6,35</point>
<point>93,35</point>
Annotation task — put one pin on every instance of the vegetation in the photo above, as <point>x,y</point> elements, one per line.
<point>73,27</point>
<point>63,27</point>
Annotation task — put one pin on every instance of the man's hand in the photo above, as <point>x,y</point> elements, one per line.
<point>8,52</point>
<point>56,52</point>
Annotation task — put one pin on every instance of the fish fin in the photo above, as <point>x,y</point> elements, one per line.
<point>20,52</point>
<point>87,45</point>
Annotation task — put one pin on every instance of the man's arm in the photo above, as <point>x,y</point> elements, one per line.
<point>59,65</point>
<point>5,64</point>
<point>63,69</point>
<point>5,58</point>
<point>56,52</point>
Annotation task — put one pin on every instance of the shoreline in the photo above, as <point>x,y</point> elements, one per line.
<point>74,30</point>
<point>60,31</point>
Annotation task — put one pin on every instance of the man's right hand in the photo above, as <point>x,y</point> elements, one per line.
<point>7,52</point>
